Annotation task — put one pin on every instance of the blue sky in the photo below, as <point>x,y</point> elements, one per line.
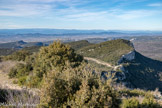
<point>82,14</point>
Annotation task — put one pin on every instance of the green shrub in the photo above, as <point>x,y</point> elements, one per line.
<point>13,73</point>
<point>23,69</point>
<point>54,91</point>
<point>53,56</point>
<point>18,55</point>
<point>135,92</point>
<point>65,88</point>
<point>33,81</point>
<point>20,70</point>
<point>130,103</point>
<point>149,102</point>
<point>22,80</point>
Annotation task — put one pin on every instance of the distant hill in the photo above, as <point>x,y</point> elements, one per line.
<point>13,45</point>
<point>9,48</point>
<point>128,66</point>
<point>49,31</point>
<point>20,44</point>
<point>79,44</point>
<point>71,31</point>
<point>109,51</point>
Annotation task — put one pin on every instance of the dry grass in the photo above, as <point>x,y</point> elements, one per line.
<point>19,98</point>
<point>5,66</point>
<point>4,78</point>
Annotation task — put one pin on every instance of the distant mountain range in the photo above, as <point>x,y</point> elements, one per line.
<point>40,35</point>
<point>72,31</point>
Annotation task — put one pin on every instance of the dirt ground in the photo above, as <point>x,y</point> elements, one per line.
<point>5,81</point>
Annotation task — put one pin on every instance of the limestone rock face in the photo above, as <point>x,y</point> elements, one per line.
<point>129,57</point>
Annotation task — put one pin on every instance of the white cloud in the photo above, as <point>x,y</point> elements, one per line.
<point>9,24</point>
<point>126,15</point>
<point>87,16</point>
<point>118,14</point>
<point>24,9</point>
<point>35,7</point>
<point>155,5</point>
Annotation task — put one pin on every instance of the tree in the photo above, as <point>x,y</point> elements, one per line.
<point>54,56</point>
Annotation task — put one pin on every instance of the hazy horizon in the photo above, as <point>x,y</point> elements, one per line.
<point>79,29</point>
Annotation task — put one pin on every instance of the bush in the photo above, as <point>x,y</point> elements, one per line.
<point>33,81</point>
<point>23,70</point>
<point>20,70</point>
<point>135,92</point>
<point>18,55</point>
<point>130,103</point>
<point>103,96</point>
<point>149,102</point>
<point>54,91</point>
<point>76,88</point>
<point>22,80</point>
<point>53,56</point>
<point>13,73</point>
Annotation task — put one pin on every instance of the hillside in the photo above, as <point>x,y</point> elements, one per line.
<point>144,73</point>
<point>6,51</point>
<point>11,47</point>
<point>79,44</point>
<point>20,44</point>
<point>109,51</point>
<point>127,65</point>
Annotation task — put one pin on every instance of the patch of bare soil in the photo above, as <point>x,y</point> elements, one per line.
<point>5,81</point>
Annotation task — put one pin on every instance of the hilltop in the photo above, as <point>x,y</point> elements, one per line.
<point>79,44</point>
<point>109,51</point>
<point>128,66</point>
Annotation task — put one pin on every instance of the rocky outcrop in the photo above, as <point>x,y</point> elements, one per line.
<point>128,57</point>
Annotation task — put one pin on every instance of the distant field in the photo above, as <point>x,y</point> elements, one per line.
<point>152,49</point>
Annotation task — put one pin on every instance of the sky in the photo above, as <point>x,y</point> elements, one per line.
<point>81,14</point>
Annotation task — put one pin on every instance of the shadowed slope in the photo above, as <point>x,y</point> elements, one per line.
<point>144,73</point>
